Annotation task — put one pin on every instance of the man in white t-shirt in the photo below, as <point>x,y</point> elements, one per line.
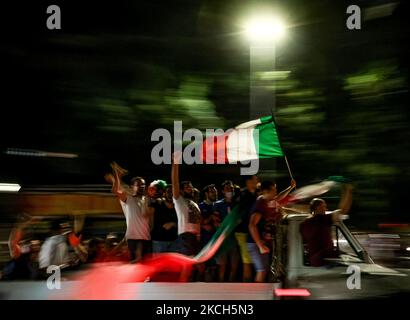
<point>188,213</point>
<point>137,212</point>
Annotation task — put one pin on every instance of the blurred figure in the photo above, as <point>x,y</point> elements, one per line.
<point>23,252</point>
<point>137,211</point>
<point>228,255</point>
<point>74,236</point>
<point>189,216</point>
<point>17,235</point>
<point>264,216</point>
<point>317,230</point>
<point>35,246</point>
<point>55,249</point>
<point>246,200</point>
<point>113,248</point>
<point>164,232</point>
<point>96,250</point>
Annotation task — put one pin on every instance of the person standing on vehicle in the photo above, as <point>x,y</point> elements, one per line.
<point>188,213</point>
<point>207,213</point>
<point>247,199</point>
<point>317,230</point>
<point>137,211</point>
<point>228,255</point>
<point>264,216</point>
<point>189,217</point>
<point>164,232</point>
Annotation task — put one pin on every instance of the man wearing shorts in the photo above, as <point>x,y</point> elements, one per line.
<point>263,217</point>
<point>246,200</point>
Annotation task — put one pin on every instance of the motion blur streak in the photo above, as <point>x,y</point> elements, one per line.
<point>37,153</point>
<point>104,282</point>
<point>9,187</point>
<point>393,225</point>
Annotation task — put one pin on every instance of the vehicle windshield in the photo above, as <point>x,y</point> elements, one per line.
<point>341,244</point>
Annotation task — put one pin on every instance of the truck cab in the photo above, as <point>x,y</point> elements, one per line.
<point>291,268</point>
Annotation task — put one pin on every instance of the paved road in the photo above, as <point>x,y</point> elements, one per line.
<point>30,290</point>
<point>115,281</point>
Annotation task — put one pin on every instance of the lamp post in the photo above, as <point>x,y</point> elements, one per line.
<point>263,33</point>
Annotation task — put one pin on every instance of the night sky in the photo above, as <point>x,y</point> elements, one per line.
<point>117,71</point>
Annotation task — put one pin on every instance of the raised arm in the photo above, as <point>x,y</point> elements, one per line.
<point>116,181</point>
<point>176,158</point>
<point>285,192</point>
<point>346,199</point>
<point>345,202</point>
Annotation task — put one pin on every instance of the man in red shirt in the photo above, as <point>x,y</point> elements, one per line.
<point>262,226</point>
<point>317,230</point>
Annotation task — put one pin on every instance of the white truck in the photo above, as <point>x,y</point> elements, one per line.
<point>351,275</point>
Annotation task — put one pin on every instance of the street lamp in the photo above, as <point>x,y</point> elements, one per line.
<point>265,29</point>
<point>263,32</point>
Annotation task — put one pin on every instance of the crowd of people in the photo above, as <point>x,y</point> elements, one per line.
<point>173,218</point>
<point>169,218</point>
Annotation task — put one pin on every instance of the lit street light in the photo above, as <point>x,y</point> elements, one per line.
<point>263,33</point>
<point>264,29</point>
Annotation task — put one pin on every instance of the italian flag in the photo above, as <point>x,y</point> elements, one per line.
<point>251,140</point>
